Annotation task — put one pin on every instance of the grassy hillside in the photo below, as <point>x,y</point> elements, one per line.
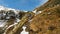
<point>50,3</point>
<point>48,22</point>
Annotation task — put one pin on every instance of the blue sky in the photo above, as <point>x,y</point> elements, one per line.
<point>22,4</point>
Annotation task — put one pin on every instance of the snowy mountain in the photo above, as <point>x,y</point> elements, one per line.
<point>6,14</point>
<point>10,17</point>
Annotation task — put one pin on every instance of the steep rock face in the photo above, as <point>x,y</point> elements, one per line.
<point>49,4</point>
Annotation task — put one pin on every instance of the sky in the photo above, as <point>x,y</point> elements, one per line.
<point>22,4</point>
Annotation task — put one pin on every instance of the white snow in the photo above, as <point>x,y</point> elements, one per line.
<point>24,32</point>
<point>38,12</point>
<point>15,23</point>
<point>25,11</point>
<point>12,25</point>
<point>2,8</point>
<point>7,17</point>
<point>34,11</point>
<point>49,13</point>
<point>30,20</point>
<point>15,11</point>
<point>7,9</point>
<point>18,20</point>
<point>4,14</point>
<point>2,23</point>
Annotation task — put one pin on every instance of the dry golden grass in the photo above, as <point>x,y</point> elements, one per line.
<point>49,4</point>
<point>48,22</point>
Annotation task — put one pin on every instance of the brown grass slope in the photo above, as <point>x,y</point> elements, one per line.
<point>50,3</point>
<point>48,22</point>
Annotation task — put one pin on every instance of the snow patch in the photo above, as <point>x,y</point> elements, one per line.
<point>49,13</point>
<point>15,11</point>
<point>30,20</point>
<point>25,11</point>
<point>24,32</point>
<point>12,25</point>
<point>2,23</point>
<point>2,8</point>
<point>7,9</point>
<point>34,11</point>
<point>38,12</point>
<point>17,20</point>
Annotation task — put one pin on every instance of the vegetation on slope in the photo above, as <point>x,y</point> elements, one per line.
<point>49,4</point>
<point>48,22</point>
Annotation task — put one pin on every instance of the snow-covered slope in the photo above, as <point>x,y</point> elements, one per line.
<point>7,9</point>
<point>5,14</point>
